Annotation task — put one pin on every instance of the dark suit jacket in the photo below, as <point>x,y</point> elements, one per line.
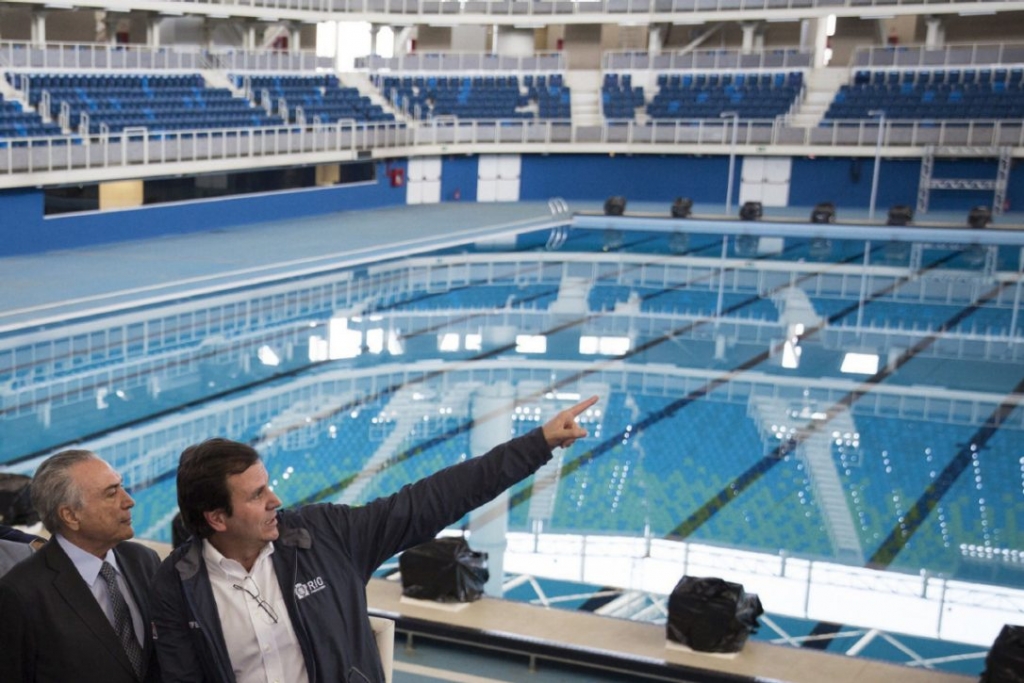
<point>11,553</point>
<point>52,629</point>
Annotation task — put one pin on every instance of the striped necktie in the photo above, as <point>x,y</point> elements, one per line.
<point>122,619</point>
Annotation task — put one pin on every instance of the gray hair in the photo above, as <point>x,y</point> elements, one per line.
<point>53,487</point>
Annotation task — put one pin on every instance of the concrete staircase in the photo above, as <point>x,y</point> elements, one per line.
<point>366,88</point>
<point>820,89</point>
<point>815,450</point>
<point>402,406</point>
<point>585,101</point>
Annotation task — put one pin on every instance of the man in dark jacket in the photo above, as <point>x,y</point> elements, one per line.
<point>263,594</point>
<point>78,608</point>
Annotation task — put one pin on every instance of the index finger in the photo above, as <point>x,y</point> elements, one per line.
<point>582,405</point>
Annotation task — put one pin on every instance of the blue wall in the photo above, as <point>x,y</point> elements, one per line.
<point>458,178</point>
<point>25,230</point>
<point>638,178</point>
<point>587,177</point>
<point>847,182</point>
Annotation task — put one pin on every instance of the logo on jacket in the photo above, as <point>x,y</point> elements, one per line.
<point>307,588</point>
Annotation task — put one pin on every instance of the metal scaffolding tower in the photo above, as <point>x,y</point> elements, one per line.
<point>998,185</point>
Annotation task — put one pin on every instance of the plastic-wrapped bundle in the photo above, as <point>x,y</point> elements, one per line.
<point>444,570</point>
<point>712,615</point>
<point>1005,661</point>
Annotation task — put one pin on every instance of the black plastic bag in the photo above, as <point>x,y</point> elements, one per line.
<point>1005,661</point>
<point>712,615</point>
<point>444,570</point>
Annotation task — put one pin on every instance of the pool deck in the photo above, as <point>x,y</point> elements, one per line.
<point>48,287</point>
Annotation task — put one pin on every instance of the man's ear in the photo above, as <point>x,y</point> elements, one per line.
<point>217,519</point>
<point>68,517</point>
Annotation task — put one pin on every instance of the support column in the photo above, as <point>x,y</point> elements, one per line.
<point>294,37</point>
<point>814,37</point>
<point>249,37</point>
<point>492,424</point>
<point>655,40</point>
<point>402,40</point>
<point>374,31</point>
<point>110,24</point>
<point>749,28</point>
<point>38,29</point>
<point>935,35</point>
<point>153,30</point>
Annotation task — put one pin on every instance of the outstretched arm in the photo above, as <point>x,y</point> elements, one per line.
<point>562,430</point>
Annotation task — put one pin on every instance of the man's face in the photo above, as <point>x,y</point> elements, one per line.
<point>105,518</point>
<point>253,520</point>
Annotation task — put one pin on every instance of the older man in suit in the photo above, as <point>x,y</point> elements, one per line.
<point>78,609</point>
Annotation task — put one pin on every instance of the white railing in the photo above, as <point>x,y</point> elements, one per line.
<point>921,605</point>
<point>779,58</point>
<point>267,146</point>
<point>87,56</point>
<point>921,56</point>
<point>20,55</point>
<point>446,62</point>
<point>268,60</point>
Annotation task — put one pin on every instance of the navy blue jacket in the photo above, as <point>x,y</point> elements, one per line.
<point>324,557</point>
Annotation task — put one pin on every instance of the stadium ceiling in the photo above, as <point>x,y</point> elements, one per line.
<point>533,15</point>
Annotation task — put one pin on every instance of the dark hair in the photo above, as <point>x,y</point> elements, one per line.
<point>203,472</point>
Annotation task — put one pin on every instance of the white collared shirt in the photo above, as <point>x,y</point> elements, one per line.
<point>260,650</point>
<point>88,566</point>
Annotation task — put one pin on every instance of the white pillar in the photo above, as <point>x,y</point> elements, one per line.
<point>153,30</point>
<point>492,424</point>
<point>249,41</point>
<point>936,33</point>
<point>38,29</point>
<point>402,40</point>
<point>295,37</point>
<point>818,32</point>
<point>749,27</point>
<point>374,31</point>
<point>655,41</point>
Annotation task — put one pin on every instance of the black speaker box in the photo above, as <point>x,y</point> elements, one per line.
<point>751,211</point>
<point>615,206</point>
<point>824,212</point>
<point>979,217</point>
<point>682,207</point>
<point>900,214</point>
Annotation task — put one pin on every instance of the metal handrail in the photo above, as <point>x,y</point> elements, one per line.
<point>22,158</point>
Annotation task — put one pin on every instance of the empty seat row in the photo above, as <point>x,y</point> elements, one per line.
<point>479,97</point>
<point>926,96</point>
<point>321,96</point>
<point>1011,76</point>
